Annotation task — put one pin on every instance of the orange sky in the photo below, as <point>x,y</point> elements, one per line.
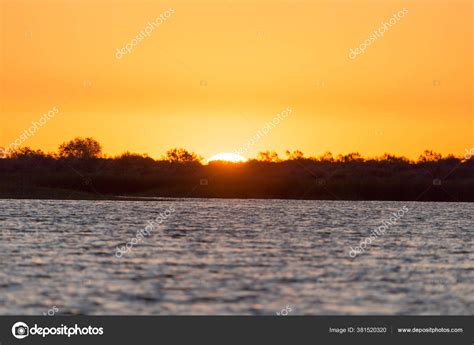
<point>211,75</point>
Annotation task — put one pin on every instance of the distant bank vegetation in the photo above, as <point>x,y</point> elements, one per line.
<point>79,169</point>
<point>89,148</point>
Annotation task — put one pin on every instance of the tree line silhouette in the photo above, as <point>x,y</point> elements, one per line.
<point>80,170</point>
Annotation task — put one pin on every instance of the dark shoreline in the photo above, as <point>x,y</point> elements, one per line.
<point>139,178</point>
<point>93,197</point>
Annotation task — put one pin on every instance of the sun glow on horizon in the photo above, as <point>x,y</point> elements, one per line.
<point>227,157</point>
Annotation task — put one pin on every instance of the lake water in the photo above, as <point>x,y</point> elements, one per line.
<point>251,257</point>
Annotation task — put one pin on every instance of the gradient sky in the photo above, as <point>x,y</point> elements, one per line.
<point>209,77</point>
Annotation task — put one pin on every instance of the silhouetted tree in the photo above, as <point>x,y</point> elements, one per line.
<point>326,157</point>
<point>429,156</point>
<point>268,156</point>
<point>350,157</point>
<point>26,152</point>
<point>180,155</point>
<point>393,158</point>
<point>130,155</point>
<point>80,148</point>
<point>295,155</point>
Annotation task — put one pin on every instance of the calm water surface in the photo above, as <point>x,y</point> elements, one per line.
<point>235,257</point>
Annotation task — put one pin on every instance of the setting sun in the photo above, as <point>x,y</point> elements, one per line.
<point>228,157</point>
